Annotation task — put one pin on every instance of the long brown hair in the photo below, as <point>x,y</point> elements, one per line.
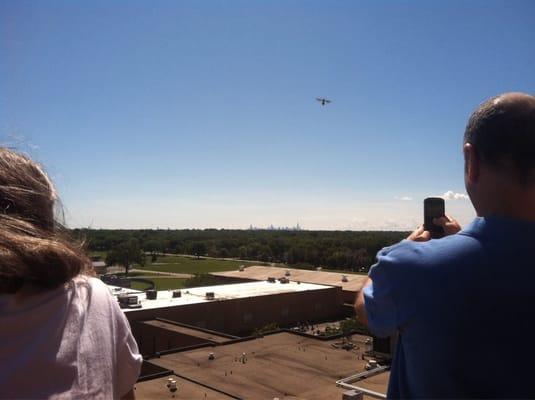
<point>34,246</point>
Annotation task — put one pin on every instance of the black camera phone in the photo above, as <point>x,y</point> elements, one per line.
<point>433,208</point>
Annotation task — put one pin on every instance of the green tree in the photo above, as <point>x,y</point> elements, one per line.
<point>126,254</point>
<point>198,249</point>
<point>273,326</point>
<point>348,326</point>
<point>154,246</point>
<point>352,325</point>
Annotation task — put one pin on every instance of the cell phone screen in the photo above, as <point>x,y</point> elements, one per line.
<point>433,208</point>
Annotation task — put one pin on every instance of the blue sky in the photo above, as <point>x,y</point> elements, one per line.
<point>202,114</point>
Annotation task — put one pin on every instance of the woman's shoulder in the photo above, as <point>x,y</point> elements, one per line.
<point>90,282</point>
<point>91,289</point>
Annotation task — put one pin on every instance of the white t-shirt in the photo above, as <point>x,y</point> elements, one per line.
<point>71,342</point>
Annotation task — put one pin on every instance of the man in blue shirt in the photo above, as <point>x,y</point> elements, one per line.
<point>464,305</point>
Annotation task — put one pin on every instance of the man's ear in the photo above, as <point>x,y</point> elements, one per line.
<point>471,163</point>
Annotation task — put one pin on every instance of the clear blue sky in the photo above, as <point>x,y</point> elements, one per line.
<point>202,114</point>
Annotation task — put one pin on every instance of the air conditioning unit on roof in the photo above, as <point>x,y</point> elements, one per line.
<point>128,301</point>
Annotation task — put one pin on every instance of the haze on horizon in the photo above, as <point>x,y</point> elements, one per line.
<point>203,114</point>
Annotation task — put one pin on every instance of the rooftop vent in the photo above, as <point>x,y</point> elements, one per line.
<point>210,295</point>
<point>211,356</point>
<point>177,293</point>
<point>151,294</point>
<point>284,280</point>
<point>353,395</point>
<point>271,279</point>
<point>171,385</point>
<point>344,278</point>
<point>372,364</point>
<point>241,268</point>
<point>287,273</point>
<point>128,301</point>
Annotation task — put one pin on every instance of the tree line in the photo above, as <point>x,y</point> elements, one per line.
<point>347,250</point>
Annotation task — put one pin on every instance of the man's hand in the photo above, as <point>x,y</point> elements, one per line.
<point>420,235</point>
<point>450,226</point>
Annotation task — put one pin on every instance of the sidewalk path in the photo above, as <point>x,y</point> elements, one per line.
<point>168,274</point>
<point>254,262</point>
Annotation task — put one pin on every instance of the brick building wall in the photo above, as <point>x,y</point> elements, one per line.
<point>237,316</point>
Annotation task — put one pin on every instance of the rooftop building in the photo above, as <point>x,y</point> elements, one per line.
<point>350,283</point>
<point>199,338</point>
<point>199,295</point>
<point>236,308</point>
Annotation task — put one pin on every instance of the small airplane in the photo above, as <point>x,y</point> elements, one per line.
<point>323,100</point>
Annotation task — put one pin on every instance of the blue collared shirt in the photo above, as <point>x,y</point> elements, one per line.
<point>464,307</point>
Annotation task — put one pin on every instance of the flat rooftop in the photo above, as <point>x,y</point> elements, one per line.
<point>221,292</point>
<point>202,334</point>
<point>261,273</point>
<point>157,389</point>
<point>282,365</point>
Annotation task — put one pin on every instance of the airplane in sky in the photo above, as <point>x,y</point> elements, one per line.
<point>323,100</point>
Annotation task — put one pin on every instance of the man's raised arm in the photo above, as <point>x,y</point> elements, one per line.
<point>360,309</point>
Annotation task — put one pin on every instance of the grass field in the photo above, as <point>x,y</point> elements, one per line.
<point>161,283</point>
<point>186,265</point>
<point>191,265</point>
<point>101,254</point>
<point>177,264</point>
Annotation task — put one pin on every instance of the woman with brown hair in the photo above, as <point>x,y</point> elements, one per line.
<point>62,334</point>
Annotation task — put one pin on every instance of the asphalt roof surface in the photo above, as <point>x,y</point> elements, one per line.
<point>157,389</point>
<point>283,365</point>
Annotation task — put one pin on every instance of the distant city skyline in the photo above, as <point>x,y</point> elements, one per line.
<point>204,114</point>
<point>272,227</point>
